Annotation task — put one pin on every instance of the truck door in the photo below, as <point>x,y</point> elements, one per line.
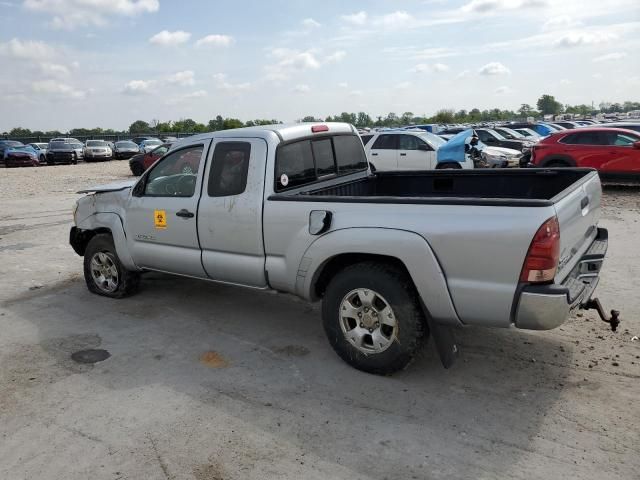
<point>384,152</point>
<point>161,217</point>
<point>230,213</point>
<point>415,154</point>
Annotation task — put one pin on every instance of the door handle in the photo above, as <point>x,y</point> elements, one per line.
<point>584,203</point>
<point>403,154</point>
<point>184,213</point>
<point>374,154</point>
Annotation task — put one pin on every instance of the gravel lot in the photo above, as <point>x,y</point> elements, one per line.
<point>271,399</point>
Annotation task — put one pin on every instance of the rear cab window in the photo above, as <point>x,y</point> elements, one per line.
<point>307,161</point>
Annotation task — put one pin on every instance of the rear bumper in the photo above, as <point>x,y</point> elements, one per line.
<point>544,307</point>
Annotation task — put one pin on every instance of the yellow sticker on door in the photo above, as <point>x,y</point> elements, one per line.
<point>160,219</point>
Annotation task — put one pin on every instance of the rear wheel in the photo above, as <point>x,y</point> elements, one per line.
<point>137,169</point>
<point>74,159</point>
<point>103,272</point>
<point>372,317</point>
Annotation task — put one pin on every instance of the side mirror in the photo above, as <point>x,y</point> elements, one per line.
<point>636,145</point>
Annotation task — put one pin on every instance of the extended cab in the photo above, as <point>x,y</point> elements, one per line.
<point>394,257</point>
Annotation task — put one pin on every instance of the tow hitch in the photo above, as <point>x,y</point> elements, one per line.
<point>613,320</point>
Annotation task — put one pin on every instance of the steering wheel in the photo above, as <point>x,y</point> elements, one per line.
<point>186,184</point>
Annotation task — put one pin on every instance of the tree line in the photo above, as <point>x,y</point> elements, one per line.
<point>546,105</point>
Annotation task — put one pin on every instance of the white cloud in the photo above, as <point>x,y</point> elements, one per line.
<point>356,93</point>
<point>178,99</point>
<point>166,38</point>
<point>335,57</point>
<point>560,22</point>
<point>464,74</point>
<point>565,81</point>
<point>57,89</point>
<point>215,40</point>
<point>597,76</point>
<point>138,87</point>
<point>395,20</point>
<point>577,38</point>
<point>425,68</point>
<point>296,59</point>
<point>610,56</point>
<point>490,6</point>
<point>26,50</point>
<point>185,79</point>
<point>359,18</point>
<point>504,90</point>
<point>403,86</point>
<point>54,69</point>
<point>494,68</point>
<point>310,23</point>
<point>72,14</point>
<point>343,85</point>
<point>223,84</point>
<point>302,88</point>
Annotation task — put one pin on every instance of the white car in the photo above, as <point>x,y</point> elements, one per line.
<point>95,150</point>
<point>395,150</point>
<point>41,150</point>
<point>500,157</point>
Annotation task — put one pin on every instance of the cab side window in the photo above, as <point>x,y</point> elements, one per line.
<point>230,169</point>
<point>409,142</point>
<point>385,142</point>
<point>175,175</point>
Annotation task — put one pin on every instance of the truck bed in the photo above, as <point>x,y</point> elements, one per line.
<point>526,187</point>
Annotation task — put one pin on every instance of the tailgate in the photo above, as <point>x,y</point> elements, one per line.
<point>578,211</point>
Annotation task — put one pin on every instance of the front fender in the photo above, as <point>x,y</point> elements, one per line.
<point>113,223</point>
<point>408,247</point>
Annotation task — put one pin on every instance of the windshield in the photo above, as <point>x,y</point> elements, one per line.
<point>22,148</point>
<point>496,134</point>
<point>13,143</point>
<point>59,146</point>
<point>434,140</point>
<point>126,145</point>
<point>96,143</point>
<point>510,133</point>
<point>153,142</point>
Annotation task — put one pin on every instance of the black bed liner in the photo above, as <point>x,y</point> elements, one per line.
<point>518,187</point>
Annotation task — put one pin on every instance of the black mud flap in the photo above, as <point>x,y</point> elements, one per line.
<point>444,339</point>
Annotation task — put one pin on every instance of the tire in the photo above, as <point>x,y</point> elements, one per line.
<point>118,282</point>
<point>137,169</point>
<point>402,326</point>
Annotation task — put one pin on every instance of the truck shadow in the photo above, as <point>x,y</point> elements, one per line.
<point>274,372</point>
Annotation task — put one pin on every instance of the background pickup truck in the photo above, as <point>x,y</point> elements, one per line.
<point>393,256</point>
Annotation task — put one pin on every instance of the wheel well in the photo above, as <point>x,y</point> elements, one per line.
<point>339,262</point>
<point>83,237</point>
<point>559,160</point>
<point>454,165</point>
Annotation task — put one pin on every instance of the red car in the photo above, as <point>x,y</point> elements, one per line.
<point>614,152</point>
<point>139,163</point>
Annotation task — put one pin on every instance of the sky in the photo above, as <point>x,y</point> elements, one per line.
<point>106,63</point>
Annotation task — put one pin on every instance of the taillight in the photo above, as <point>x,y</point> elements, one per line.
<point>541,262</point>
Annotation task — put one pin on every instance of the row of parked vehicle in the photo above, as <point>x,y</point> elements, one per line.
<point>70,150</point>
<point>611,148</point>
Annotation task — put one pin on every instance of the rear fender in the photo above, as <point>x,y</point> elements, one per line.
<point>113,223</point>
<point>407,247</point>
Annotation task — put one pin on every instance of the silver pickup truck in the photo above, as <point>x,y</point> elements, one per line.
<point>394,257</point>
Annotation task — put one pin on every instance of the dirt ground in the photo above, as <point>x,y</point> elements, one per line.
<point>213,382</point>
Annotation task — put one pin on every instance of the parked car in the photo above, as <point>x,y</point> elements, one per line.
<point>139,140</point>
<point>41,150</point>
<point>492,138</point>
<point>149,144</point>
<point>64,150</point>
<point>395,150</point>
<point>568,124</point>
<point>614,152</point>
<point>393,256</point>
<point>635,126</point>
<point>125,149</point>
<point>141,161</point>
<point>8,143</point>
<point>21,156</point>
<point>530,134</point>
<point>97,150</point>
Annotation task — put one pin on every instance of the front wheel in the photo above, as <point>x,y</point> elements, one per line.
<point>372,317</point>
<point>103,272</point>
<point>137,169</point>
